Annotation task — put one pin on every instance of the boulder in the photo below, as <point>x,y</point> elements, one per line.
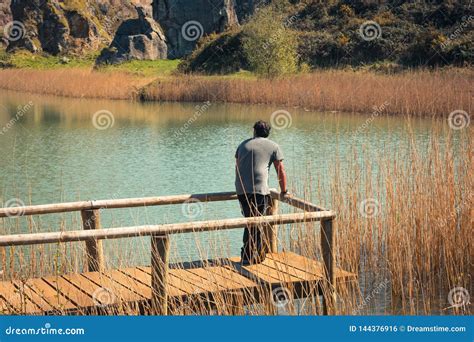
<point>185,21</point>
<point>140,38</point>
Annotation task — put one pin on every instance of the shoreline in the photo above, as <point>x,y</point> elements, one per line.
<point>426,93</point>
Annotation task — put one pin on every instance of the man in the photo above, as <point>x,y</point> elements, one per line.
<point>253,160</point>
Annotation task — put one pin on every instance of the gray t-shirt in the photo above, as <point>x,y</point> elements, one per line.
<point>253,160</point>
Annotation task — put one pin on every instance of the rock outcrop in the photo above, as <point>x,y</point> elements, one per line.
<point>72,27</point>
<point>5,18</point>
<point>140,38</point>
<point>185,21</point>
<point>171,30</point>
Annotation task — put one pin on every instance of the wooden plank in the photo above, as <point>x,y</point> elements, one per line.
<point>163,200</point>
<point>68,290</point>
<point>36,298</point>
<point>117,293</point>
<point>295,202</point>
<point>189,288</point>
<point>46,208</point>
<point>145,278</point>
<point>17,301</point>
<point>288,269</point>
<point>206,284</point>
<point>234,276</point>
<point>129,282</point>
<point>265,273</point>
<point>309,265</point>
<point>312,268</point>
<point>175,282</point>
<point>161,229</point>
<point>207,275</point>
<point>115,203</point>
<point>87,286</point>
<point>50,295</point>
<point>229,279</point>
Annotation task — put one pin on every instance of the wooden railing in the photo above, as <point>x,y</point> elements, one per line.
<point>92,233</point>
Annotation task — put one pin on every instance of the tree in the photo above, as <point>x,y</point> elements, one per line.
<point>269,44</point>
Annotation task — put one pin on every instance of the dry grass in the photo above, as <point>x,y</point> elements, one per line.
<point>410,246</point>
<point>420,93</point>
<point>82,83</point>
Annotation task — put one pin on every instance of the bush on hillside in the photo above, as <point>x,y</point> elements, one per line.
<point>269,45</point>
<point>434,33</point>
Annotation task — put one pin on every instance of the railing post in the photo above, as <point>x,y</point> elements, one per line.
<point>160,245</point>
<point>94,250</point>
<point>272,230</point>
<point>327,249</point>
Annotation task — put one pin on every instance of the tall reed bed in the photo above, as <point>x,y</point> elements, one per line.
<point>418,93</point>
<point>404,226</point>
<point>81,83</point>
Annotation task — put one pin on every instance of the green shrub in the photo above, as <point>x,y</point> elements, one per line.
<point>269,45</point>
<point>217,54</point>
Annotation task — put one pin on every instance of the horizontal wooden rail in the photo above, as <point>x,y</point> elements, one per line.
<point>295,202</point>
<point>162,229</point>
<point>114,204</point>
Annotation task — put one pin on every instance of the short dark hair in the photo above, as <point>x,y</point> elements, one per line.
<point>262,129</point>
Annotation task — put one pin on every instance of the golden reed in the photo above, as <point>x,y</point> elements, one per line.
<point>431,93</point>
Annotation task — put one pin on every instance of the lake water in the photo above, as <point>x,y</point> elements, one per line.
<point>55,150</point>
<point>58,149</point>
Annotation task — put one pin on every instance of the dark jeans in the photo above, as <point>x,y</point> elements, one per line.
<point>253,251</point>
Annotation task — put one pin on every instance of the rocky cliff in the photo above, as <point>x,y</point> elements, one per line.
<point>80,26</point>
<point>186,21</point>
<point>140,38</point>
<point>65,26</point>
<point>5,18</point>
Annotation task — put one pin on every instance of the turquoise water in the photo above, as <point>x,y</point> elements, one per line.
<point>52,151</point>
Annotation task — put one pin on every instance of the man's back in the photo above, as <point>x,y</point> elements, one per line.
<point>253,159</point>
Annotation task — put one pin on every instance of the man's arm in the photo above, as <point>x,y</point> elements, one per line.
<point>281,175</point>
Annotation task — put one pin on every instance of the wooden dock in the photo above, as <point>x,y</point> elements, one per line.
<point>224,285</point>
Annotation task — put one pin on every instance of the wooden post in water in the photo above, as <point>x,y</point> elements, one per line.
<point>272,230</point>
<point>94,250</point>
<point>160,246</point>
<point>327,249</point>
